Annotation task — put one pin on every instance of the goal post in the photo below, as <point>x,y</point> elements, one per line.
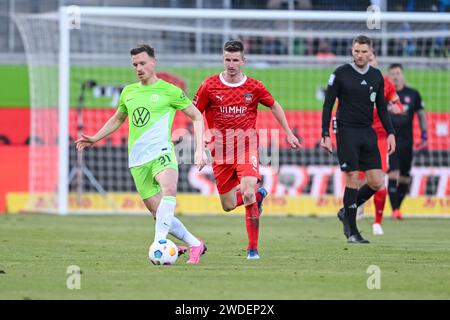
<point>63,109</point>
<point>78,62</point>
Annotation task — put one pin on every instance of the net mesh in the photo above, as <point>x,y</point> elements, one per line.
<point>293,59</point>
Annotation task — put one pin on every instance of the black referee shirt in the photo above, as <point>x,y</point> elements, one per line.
<point>357,92</point>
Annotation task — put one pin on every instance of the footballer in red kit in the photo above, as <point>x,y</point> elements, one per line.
<point>230,112</point>
<point>230,101</point>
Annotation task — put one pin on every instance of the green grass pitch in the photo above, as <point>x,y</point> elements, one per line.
<point>294,88</point>
<point>302,258</point>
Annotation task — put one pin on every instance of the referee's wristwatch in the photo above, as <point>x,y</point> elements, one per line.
<point>325,135</point>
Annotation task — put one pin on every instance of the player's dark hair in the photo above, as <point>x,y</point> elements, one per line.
<point>143,48</point>
<point>396,65</point>
<point>361,39</point>
<point>234,46</point>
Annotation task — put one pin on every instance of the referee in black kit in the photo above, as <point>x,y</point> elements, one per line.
<point>357,86</point>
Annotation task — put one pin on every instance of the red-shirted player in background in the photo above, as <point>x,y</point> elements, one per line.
<point>230,102</point>
<point>395,106</point>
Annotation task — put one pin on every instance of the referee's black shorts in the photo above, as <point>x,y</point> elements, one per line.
<point>401,159</point>
<point>357,149</point>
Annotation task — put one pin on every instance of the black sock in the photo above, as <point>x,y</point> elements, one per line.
<point>393,194</point>
<point>402,191</point>
<point>350,207</point>
<point>364,194</point>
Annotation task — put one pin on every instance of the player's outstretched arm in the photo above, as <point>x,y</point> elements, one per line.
<point>279,115</point>
<point>199,129</point>
<point>109,127</point>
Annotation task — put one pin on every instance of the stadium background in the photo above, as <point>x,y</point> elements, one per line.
<point>301,257</point>
<point>308,182</point>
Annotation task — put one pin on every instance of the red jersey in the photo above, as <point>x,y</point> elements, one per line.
<point>390,94</point>
<point>229,107</point>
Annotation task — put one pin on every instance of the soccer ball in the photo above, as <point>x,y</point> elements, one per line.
<point>163,252</point>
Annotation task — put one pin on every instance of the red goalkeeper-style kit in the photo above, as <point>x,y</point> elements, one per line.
<point>380,196</point>
<point>390,94</point>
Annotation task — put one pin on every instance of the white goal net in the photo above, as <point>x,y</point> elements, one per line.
<point>79,60</point>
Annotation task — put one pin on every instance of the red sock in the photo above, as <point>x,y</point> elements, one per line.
<point>379,199</point>
<point>240,199</point>
<point>252,225</point>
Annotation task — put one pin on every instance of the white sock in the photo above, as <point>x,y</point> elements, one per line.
<point>179,231</point>
<point>164,216</point>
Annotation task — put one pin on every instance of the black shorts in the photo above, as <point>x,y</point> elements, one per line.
<point>357,149</point>
<point>401,159</point>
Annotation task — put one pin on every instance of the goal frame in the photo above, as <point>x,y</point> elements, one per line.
<point>66,16</point>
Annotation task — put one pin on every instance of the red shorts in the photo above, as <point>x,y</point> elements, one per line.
<point>229,176</point>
